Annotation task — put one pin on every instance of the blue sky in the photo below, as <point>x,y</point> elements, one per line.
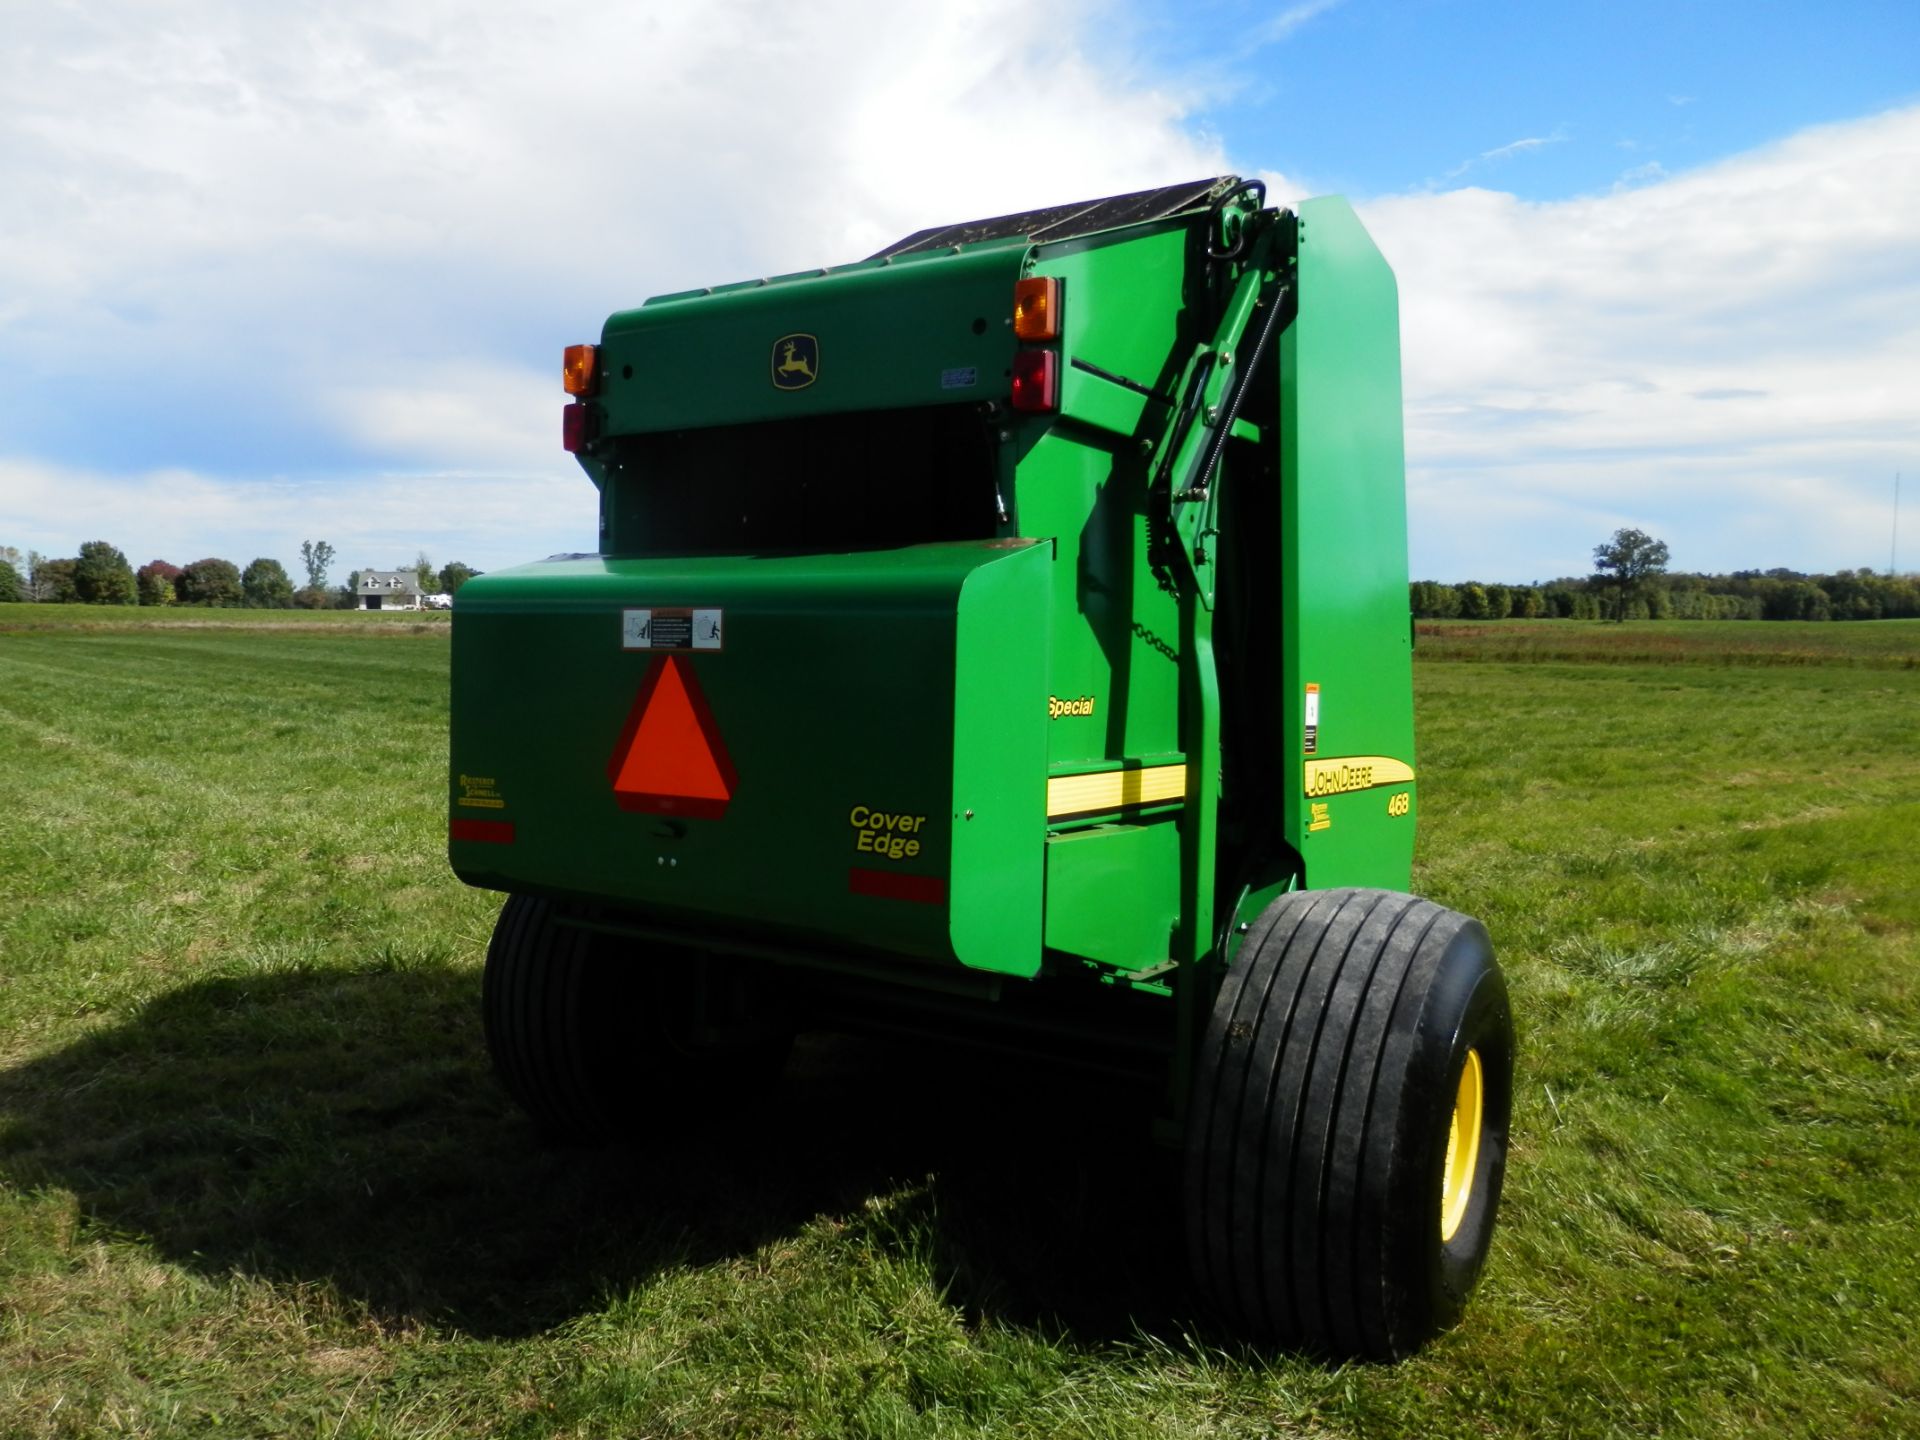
<point>1544,101</point>
<point>274,274</point>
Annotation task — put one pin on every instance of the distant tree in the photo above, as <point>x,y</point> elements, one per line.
<point>12,588</point>
<point>12,556</point>
<point>155,582</point>
<point>315,557</point>
<point>423,570</point>
<point>102,576</point>
<point>266,586</point>
<point>1473,600</point>
<point>52,580</point>
<point>453,575</point>
<point>1802,600</point>
<point>1431,600</point>
<point>312,597</point>
<point>1857,594</point>
<point>210,582</point>
<point>1629,565</point>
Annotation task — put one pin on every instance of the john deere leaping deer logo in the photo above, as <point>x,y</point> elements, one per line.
<point>796,362</point>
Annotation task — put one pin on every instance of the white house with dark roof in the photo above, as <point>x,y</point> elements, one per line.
<point>389,590</point>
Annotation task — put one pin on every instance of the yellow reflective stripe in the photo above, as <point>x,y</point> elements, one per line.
<point>1114,790</point>
<point>1354,772</point>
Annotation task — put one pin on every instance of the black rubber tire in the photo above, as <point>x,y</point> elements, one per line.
<point>1322,1097</point>
<point>593,1035</point>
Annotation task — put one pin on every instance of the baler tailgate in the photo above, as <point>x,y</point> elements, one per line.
<point>843,749</point>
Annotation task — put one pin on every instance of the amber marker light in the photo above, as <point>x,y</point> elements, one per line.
<point>580,369</point>
<point>1036,307</point>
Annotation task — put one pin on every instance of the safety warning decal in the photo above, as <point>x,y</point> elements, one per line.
<point>1313,718</point>
<point>672,629</point>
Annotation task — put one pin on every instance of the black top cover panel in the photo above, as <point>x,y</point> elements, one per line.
<point>1063,222</point>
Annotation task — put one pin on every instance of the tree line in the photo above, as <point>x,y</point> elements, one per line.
<point>101,575</point>
<point>1630,582</point>
<point>1777,594</point>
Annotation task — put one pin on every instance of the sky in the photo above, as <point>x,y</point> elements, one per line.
<point>270,274</point>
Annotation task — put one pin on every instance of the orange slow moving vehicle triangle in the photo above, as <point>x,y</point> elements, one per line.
<point>670,759</point>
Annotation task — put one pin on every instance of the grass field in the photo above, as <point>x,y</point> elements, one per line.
<point>255,1177</point>
<point>17,619</point>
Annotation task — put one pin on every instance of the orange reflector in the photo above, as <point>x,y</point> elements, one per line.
<point>670,759</point>
<point>580,369</point>
<point>1036,307</point>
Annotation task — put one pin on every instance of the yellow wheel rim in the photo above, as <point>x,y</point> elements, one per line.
<point>1463,1148</point>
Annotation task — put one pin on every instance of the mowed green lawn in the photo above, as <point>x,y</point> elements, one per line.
<point>256,1179</point>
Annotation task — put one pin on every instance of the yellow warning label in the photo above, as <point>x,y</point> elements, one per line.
<point>1354,772</point>
<point>1318,818</point>
<point>480,792</point>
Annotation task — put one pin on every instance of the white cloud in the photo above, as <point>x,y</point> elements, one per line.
<point>375,226</point>
<point>1520,147</point>
<point>469,413</point>
<point>1727,357</point>
<point>1506,152</point>
<point>1287,21</point>
<point>1641,174</point>
<point>376,521</point>
<point>365,231</point>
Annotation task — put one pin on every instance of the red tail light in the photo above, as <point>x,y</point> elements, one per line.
<point>1036,381</point>
<point>574,429</point>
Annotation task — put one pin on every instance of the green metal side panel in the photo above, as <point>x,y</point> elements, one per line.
<point>1081,480</point>
<point>1113,668</point>
<point>1349,808</point>
<point>999,808</point>
<point>923,331</point>
<point>1113,893</point>
<point>905,684</point>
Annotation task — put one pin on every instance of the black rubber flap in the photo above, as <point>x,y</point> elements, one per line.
<point>1063,222</point>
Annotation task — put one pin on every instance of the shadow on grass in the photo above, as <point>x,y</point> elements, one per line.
<point>342,1127</point>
